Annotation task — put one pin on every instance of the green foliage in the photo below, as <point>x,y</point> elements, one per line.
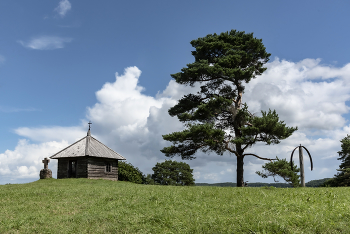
<point>316,183</point>
<point>281,168</point>
<point>342,178</point>
<point>173,173</point>
<point>127,172</point>
<point>229,56</point>
<point>148,180</point>
<point>203,136</point>
<point>267,128</point>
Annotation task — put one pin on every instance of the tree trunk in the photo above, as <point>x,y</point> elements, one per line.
<point>240,182</point>
<point>237,124</point>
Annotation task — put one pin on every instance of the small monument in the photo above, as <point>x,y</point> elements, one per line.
<point>46,172</point>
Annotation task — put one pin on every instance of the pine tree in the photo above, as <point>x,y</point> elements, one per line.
<point>222,63</point>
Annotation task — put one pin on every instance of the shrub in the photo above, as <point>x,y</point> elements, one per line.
<point>127,172</point>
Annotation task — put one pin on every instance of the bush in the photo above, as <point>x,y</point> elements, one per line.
<point>127,172</point>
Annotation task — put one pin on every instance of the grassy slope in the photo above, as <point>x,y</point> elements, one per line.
<point>101,206</point>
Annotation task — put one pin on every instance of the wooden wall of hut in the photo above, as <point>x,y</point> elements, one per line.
<point>97,168</point>
<point>62,168</point>
<point>88,167</point>
<point>81,167</point>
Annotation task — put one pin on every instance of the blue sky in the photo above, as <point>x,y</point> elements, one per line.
<point>59,59</point>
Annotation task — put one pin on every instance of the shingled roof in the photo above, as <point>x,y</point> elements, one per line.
<point>87,146</point>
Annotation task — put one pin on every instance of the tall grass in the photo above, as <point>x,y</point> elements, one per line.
<point>102,206</point>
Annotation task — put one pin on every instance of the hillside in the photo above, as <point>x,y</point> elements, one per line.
<point>102,206</point>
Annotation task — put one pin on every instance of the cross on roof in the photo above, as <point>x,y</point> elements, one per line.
<point>89,124</point>
<point>46,162</point>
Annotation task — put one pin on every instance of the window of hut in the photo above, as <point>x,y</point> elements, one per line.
<point>108,167</point>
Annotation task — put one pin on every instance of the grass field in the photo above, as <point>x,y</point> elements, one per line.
<point>102,206</point>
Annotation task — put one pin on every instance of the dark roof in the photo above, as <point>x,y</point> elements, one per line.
<point>88,146</point>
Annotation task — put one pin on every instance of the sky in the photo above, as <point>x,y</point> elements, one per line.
<point>64,63</point>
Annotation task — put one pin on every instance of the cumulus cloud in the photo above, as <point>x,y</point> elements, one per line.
<point>311,105</point>
<point>25,161</point>
<point>63,7</point>
<point>133,123</point>
<point>46,42</point>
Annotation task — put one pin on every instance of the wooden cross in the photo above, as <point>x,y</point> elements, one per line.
<point>89,124</point>
<point>46,162</point>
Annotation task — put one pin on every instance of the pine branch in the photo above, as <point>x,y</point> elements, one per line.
<point>250,143</point>
<point>259,157</point>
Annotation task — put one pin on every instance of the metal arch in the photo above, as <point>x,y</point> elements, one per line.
<point>291,158</point>
<point>309,156</point>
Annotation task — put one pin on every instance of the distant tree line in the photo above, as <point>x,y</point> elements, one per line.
<point>312,183</point>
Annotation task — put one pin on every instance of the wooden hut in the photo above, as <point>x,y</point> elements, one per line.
<point>87,158</point>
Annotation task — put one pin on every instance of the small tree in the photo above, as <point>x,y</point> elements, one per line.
<point>127,172</point>
<point>281,168</point>
<point>173,173</point>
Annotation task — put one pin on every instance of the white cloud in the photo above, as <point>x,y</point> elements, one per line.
<point>46,42</point>
<point>63,7</point>
<point>55,133</point>
<point>133,123</point>
<point>25,161</point>
<point>287,87</point>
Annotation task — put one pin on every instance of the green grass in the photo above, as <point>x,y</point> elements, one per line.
<point>102,206</point>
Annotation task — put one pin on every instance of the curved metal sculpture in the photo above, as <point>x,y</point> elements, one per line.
<point>301,159</point>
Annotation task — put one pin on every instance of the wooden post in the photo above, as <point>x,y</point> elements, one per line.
<point>301,159</point>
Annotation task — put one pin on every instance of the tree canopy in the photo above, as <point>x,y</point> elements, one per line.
<point>214,118</point>
<point>173,173</point>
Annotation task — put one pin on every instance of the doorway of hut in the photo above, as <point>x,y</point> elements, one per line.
<point>72,169</point>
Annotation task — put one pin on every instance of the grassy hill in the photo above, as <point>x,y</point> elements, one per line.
<point>102,206</point>
<point>312,183</point>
